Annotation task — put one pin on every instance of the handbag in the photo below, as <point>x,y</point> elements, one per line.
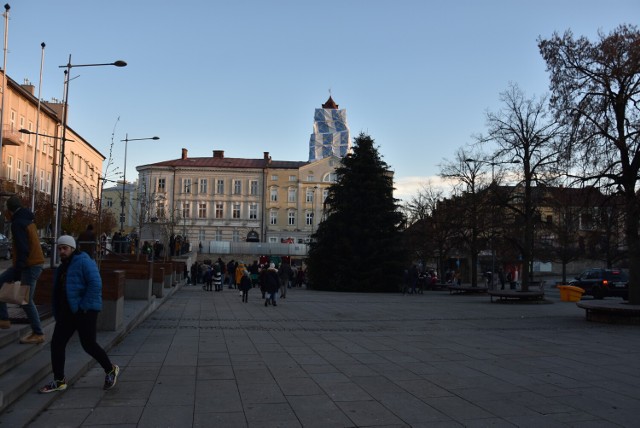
<point>14,292</point>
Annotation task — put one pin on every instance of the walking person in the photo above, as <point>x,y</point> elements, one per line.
<point>285,273</point>
<point>77,300</point>
<point>217,277</point>
<point>26,268</point>
<point>245,285</point>
<point>272,284</point>
<point>87,241</point>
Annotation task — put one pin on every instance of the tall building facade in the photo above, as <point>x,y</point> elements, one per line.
<point>219,198</point>
<point>30,163</point>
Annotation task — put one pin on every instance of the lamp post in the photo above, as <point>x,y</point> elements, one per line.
<point>124,175</point>
<point>65,105</point>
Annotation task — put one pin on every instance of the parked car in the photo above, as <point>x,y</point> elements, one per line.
<point>601,283</point>
<point>5,247</point>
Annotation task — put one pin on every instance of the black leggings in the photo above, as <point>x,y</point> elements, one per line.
<point>66,324</point>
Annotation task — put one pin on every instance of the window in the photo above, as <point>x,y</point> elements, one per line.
<point>202,210</point>
<point>236,236</point>
<point>253,187</point>
<point>201,236</point>
<point>186,208</point>
<point>109,202</point>
<point>235,211</point>
<point>19,171</point>
<point>186,185</point>
<point>203,186</point>
<point>48,182</point>
<point>219,210</point>
<point>310,177</point>
<point>291,218</point>
<point>220,187</point>
<point>273,217</point>
<point>274,195</point>
<point>22,136</point>
<point>309,219</point>
<point>273,239</point>
<point>27,175</point>
<point>10,167</point>
<point>291,195</point>
<point>330,178</point>
<point>42,183</point>
<point>253,211</point>
<point>160,210</point>
<point>237,187</point>
<point>274,178</point>
<point>30,128</point>
<point>293,178</point>
<point>162,183</point>
<point>218,236</point>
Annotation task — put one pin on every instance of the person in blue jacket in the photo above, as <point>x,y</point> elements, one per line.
<point>77,300</point>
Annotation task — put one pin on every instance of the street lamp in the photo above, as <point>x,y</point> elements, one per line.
<point>124,174</point>
<point>65,105</point>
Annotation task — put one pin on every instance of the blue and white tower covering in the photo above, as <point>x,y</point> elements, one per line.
<point>331,135</point>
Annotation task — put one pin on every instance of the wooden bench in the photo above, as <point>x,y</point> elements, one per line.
<point>535,292</point>
<point>610,311</point>
<point>466,289</point>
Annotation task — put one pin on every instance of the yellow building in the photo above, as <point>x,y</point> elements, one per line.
<point>30,162</point>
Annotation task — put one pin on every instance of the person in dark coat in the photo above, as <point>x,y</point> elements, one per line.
<point>272,285</point>
<point>245,285</point>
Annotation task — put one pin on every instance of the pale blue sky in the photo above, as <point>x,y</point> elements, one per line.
<point>245,76</point>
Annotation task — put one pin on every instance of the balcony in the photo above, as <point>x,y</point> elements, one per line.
<point>11,136</point>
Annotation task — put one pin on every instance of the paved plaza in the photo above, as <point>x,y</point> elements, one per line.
<point>320,359</point>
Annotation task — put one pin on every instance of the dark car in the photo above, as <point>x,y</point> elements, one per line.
<point>601,283</point>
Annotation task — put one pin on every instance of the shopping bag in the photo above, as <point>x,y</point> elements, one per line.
<point>14,292</point>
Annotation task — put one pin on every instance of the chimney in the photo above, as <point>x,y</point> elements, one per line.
<point>29,87</point>
<point>184,153</point>
<point>266,155</point>
<point>218,154</point>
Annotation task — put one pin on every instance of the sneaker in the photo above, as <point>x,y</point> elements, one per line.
<point>5,324</point>
<point>54,385</point>
<point>33,339</point>
<point>111,377</point>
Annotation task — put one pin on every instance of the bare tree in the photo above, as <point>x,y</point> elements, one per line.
<point>524,131</point>
<point>596,90</point>
<point>466,171</point>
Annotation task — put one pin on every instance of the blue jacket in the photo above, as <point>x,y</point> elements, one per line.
<point>84,284</point>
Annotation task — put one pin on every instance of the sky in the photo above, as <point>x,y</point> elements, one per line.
<point>245,76</point>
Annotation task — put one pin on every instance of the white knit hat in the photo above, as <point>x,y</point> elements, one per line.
<point>67,240</point>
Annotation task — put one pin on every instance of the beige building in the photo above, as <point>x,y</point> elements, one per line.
<point>30,162</point>
<point>219,198</point>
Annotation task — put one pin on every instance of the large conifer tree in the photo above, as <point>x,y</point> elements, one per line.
<point>358,246</point>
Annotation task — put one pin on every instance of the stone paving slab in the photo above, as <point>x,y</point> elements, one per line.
<point>376,360</point>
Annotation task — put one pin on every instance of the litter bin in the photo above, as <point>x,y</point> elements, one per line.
<point>570,293</point>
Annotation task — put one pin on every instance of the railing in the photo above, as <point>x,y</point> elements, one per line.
<point>261,248</point>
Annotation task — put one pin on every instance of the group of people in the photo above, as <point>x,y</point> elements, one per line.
<point>416,279</point>
<point>273,282</point>
<point>76,297</point>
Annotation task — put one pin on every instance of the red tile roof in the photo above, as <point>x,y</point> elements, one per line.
<point>224,162</point>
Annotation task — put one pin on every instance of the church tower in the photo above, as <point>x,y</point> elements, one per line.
<point>330,132</point>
